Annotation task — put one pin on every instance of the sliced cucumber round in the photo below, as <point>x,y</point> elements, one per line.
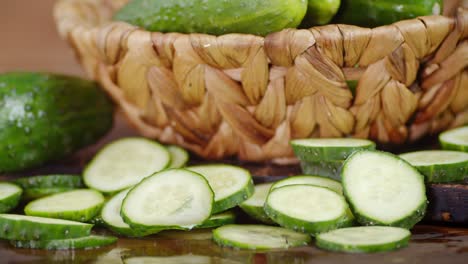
<point>124,163</point>
<point>78,205</point>
<point>383,189</point>
<point>306,208</point>
<point>10,195</point>
<point>170,199</point>
<point>179,156</point>
<point>217,220</point>
<point>22,227</point>
<point>439,165</point>
<point>330,169</point>
<point>258,237</point>
<point>455,139</point>
<point>311,180</point>
<point>364,239</point>
<point>36,193</point>
<point>50,181</point>
<point>254,205</point>
<point>231,185</point>
<point>325,149</point>
<point>86,242</point>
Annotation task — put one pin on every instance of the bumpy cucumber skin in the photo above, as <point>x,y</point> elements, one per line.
<point>86,242</point>
<point>329,169</point>
<point>30,230</point>
<point>9,203</point>
<point>45,117</point>
<point>320,12</point>
<point>36,193</point>
<point>50,181</point>
<point>371,13</point>
<point>257,213</point>
<point>214,17</point>
<point>321,154</point>
<point>441,173</point>
<point>234,200</point>
<point>228,218</point>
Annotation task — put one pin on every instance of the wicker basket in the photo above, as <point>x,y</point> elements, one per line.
<point>249,96</point>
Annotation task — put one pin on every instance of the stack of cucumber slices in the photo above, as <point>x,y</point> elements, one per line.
<point>137,187</point>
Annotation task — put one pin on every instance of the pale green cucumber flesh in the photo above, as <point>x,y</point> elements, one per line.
<point>364,239</point>
<point>258,237</point>
<point>87,242</point>
<point>254,205</point>
<point>10,195</point>
<point>179,156</point>
<point>217,220</point>
<point>312,180</point>
<point>328,149</point>
<point>50,181</point>
<point>330,169</point>
<point>455,139</point>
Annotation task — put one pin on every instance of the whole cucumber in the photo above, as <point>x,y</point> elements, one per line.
<point>45,117</point>
<point>320,12</point>
<point>215,17</point>
<point>373,13</point>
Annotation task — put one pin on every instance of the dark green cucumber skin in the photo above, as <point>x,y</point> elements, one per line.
<point>321,154</point>
<point>373,13</point>
<point>234,200</point>
<point>257,213</point>
<point>320,12</point>
<point>210,223</point>
<point>50,181</point>
<point>45,117</point>
<point>449,146</point>
<point>10,203</point>
<point>215,17</point>
<point>87,242</point>
<point>327,245</point>
<point>36,193</point>
<point>443,173</point>
<point>329,169</point>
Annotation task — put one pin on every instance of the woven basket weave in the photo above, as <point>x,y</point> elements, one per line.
<point>249,96</point>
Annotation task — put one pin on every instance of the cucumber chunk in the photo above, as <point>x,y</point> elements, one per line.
<point>50,181</point>
<point>455,139</point>
<point>86,242</point>
<point>78,205</point>
<point>124,163</point>
<point>306,208</point>
<point>231,185</point>
<point>22,227</point>
<point>258,237</point>
<point>364,239</point>
<point>254,205</point>
<point>179,156</point>
<point>217,220</point>
<point>170,199</point>
<point>312,180</point>
<point>383,189</point>
<point>10,195</point>
<point>439,165</point>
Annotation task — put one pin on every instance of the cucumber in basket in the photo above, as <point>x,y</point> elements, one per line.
<point>364,239</point>
<point>383,189</point>
<point>170,199</point>
<point>455,139</point>
<point>179,156</point>
<point>10,195</point>
<point>439,165</point>
<point>320,12</point>
<point>254,205</point>
<point>312,180</point>
<point>214,17</point>
<point>231,185</point>
<point>306,208</point>
<point>21,227</point>
<point>87,242</point>
<point>124,163</point>
<point>78,205</point>
<point>258,237</point>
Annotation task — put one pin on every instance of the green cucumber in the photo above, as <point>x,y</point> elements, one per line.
<point>217,220</point>
<point>124,163</point>
<point>306,208</point>
<point>455,139</point>
<point>320,12</point>
<point>254,205</point>
<point>439,165</point>
<point>371,13</point>
<point>328,149</point>
<point>21,227</point>
<point>86,242</point>
<point>170,199</point>
<point>330,168</point>
<point>179,157</point>
<point>214,17</point>
<point>45,117</point>
<point>10,195</point>
<point>97,220</point>
<point>312,180</point>
<point>258,237</point>
<point>77,205</point>
<point>231,185</point>
<point>383,189</point>
<point>50,181</point>
<point>364,239</point>
<point>36,193</point>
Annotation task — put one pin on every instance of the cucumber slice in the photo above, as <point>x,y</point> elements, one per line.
<point>194,234</point>
<point>217,220</point>
<point>306,208</point>
<point>310,180</point>
<point>231,185</point>
<point>10,195</point>
<point>78,205</point>
<point>258,237</point>
<point>254,205</point>
<point>455,139</point>
<point>124,163</point>
<point>50,181</point>
<point>97,220</point>
<point>170,199</point>
<point>179,156</point>
<point>330,169</point>
<point>110,214</point>
<point>383,189</point>
<point>324,149</point>
<point>86,242</point>
<point>36,193</point>
<point>22,227</point>
<point>439,165</point>
<point>364,239</point>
